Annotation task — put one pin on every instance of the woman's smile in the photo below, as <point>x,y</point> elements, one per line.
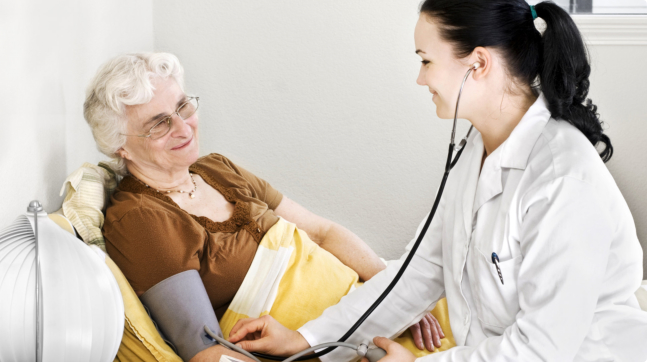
<point>183,145</point>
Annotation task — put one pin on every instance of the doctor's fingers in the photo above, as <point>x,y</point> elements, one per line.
<point>259,345</point>
<point>253,328</point>
<point>394,351</point>
<point>242,328</point>
<point>266,334</point>
<point>251,335</point>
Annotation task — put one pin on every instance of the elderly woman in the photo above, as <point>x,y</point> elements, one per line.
<point>175,212</point>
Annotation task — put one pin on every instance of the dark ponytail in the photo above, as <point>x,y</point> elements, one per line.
<point>564,75</point>
<point>556,63</point>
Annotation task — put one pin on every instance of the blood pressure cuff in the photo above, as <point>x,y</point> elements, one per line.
<point>181,308</point>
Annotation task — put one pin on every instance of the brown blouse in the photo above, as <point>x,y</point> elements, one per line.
<point>151,238</point>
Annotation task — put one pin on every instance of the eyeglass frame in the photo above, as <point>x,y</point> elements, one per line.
<point>169,118</point>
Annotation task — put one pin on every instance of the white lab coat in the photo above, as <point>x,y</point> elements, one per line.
<point>569,255</point>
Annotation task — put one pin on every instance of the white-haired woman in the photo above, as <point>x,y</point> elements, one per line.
<point>175,212</point>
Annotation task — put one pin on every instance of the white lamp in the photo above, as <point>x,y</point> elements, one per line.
<point>80,310</point>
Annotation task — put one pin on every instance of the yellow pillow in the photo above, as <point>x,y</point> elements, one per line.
<point>141,341</point>
<point>285,282</point>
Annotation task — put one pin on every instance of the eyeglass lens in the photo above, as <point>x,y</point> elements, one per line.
<point>185,111</point>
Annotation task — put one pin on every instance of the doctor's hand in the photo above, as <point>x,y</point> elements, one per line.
<point>427,333</point>
<point>266,335</point>
<point>394,351</point>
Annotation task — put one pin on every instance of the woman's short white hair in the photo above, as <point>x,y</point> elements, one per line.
<point>124,80</point>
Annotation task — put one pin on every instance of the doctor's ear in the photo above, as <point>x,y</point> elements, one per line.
<point>480,61</point>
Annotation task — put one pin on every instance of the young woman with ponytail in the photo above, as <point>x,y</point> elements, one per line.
<point>533,243</point>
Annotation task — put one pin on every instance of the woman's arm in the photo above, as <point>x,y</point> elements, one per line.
<point>416,293</point>
<point>354,253</point>
<point>212,354</point>
<point>336,239</point>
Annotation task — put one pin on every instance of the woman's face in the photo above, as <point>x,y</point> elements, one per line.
<point>440,71</point>
<point>173,152</point>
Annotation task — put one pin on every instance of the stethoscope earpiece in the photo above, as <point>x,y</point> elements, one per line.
<point>476,65</point>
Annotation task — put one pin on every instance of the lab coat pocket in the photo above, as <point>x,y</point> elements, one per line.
<point>497,303</point>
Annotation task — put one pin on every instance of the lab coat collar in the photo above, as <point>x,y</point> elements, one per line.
<point>515,151</point>
<point>489,183</point>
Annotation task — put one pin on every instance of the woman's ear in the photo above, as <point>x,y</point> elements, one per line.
<point>483,57</point>
<point>123,154</point>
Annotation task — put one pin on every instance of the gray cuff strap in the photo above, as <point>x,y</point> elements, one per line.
<point>181,308</point>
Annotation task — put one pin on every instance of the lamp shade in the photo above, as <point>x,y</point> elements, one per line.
<point>81,314</point>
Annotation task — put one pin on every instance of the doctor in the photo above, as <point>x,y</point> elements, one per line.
<point>530,192</point>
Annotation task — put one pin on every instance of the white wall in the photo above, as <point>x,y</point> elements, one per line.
<point>320,99</point>
<point>48,53</point>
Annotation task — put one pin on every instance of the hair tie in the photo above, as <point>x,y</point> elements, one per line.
<point>533,11</point>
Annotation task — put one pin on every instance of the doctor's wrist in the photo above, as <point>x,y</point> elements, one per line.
<point>299,342</point>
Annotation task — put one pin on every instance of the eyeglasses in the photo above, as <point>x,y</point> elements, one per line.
<point>161,128</point>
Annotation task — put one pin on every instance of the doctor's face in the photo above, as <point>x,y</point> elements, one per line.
<point>440,71</point>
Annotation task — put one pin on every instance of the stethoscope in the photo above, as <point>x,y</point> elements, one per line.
<point>373,354</point>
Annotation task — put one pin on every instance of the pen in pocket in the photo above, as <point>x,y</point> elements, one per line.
<point>495,260</point>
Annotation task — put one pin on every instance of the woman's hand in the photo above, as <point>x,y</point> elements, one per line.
<point>266,335</point>
<point>394,351</point>
<point>427,333</point>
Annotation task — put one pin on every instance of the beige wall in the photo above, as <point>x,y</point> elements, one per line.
<point>320,99</point>
<point>619,88</point>
<point>48,53</point>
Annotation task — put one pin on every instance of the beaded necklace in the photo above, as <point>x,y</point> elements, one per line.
<point>191,193</point>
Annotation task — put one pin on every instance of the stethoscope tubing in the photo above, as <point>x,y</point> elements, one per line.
<point>448,167</point>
